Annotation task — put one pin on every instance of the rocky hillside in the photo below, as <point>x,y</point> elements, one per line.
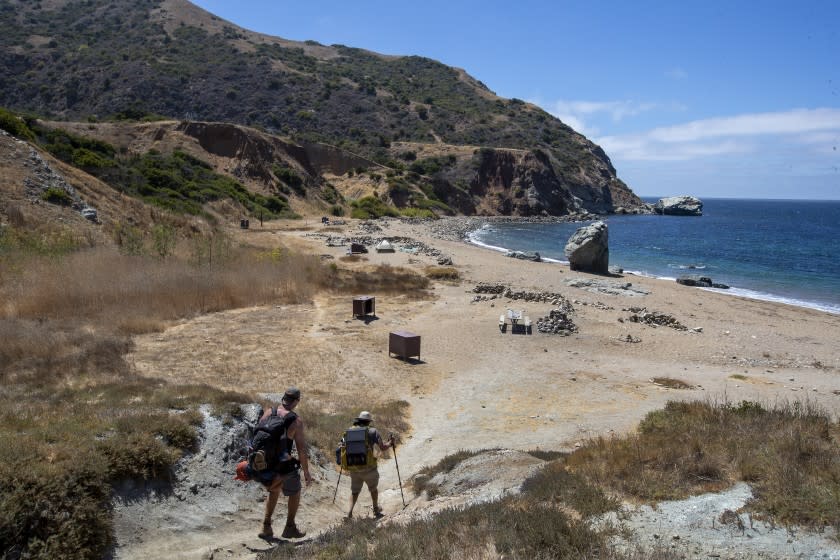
<point>145,59</point>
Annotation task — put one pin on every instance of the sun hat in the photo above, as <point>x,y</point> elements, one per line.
<point>365,416</point>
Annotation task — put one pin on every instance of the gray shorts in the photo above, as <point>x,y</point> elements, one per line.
<point>359,478</point>
<point>291,483</point>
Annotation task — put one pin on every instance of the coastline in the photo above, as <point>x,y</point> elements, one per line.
<point>734,290</point>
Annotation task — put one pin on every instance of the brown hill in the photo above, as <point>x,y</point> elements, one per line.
<point>121,59</point>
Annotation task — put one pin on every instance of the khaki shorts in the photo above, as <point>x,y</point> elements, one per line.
<point>359,478</point>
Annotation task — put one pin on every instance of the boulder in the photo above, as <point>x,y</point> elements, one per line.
<point>525,255</point>
<point>679,206</point>
<point>701,282</point>
<point>588,249</point>
<point>90,214</point>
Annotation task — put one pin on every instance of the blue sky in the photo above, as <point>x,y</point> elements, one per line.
<point>717,99</point>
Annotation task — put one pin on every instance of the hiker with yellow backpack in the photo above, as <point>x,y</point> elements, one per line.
<point>356,455</point>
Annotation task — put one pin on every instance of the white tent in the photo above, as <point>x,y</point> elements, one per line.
<point>384,246</point>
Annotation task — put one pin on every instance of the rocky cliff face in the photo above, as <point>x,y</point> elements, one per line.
<point>531,183</point>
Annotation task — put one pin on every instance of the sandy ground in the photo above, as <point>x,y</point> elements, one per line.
<point>476,387</point>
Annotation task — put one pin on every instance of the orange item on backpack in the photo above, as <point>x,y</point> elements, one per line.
<point>242,471</point>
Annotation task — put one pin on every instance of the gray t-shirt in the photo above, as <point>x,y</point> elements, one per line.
<point>374,436</point>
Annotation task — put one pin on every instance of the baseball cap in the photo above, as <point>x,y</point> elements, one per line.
<point>292,394</point>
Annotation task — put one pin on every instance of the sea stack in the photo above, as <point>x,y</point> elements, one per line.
<point>679,206</point>
<point>588,249</point>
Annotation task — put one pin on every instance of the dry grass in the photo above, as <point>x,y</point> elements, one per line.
<point>421,481</point>
<point>132,293</point>
<point>65,329</point>
<point>383,279</point>
<point>443,273</point>
<point>789,453</point>
<point>513,527</point>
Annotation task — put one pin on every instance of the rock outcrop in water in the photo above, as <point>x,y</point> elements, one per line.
<point>679,206</point>
<point>701,282</point>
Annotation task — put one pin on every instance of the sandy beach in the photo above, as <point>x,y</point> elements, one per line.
<point>476,387</point>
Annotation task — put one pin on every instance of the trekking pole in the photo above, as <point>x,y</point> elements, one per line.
<point>340,469</point>
<point>394,447</point>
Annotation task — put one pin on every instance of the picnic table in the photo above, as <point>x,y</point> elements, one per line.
<point>519,323</point>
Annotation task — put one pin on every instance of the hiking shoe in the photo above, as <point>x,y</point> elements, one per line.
<point>292,532</point>
<point>377,513</point>
<point>259,463</point>
<point>266,532</point>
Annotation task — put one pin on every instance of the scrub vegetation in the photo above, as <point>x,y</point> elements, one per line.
<point>74,415</point>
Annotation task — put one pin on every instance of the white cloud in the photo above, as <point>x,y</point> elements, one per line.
<point>725,135</point>
<point>578,114</point>
<point>617,110</point>
<point>577,123</point>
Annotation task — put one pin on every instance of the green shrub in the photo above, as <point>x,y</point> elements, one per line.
<point>289,177</point>
<point>371,207</point>
<point>163,240</point>
<point>63,514</point>
<point>435,206</point>
<point>15,125</point>
<point>57,195</point>
<point>86,159</point>
<point>418,213</point>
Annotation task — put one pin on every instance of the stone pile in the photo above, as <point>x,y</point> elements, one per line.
<point>43,177</point>
<point>596,305</point>
<point>654,318</point>
<point>630,338</point>
<point>489,288</point>
<point>557,322</point>
<point>369,227</point>
<point>555,299</point>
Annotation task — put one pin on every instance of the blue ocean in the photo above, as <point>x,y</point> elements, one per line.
<point>778,250</point>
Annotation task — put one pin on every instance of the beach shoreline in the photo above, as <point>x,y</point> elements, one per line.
<point>468,227</point>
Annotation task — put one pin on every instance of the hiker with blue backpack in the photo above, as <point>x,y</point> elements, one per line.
<point>271,462</point>
<point>356,455</point>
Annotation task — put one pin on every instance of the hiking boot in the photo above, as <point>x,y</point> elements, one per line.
<point>258,461</point>
<point>377,513</point>
<point>292,532</point>
<point>266,532</point>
